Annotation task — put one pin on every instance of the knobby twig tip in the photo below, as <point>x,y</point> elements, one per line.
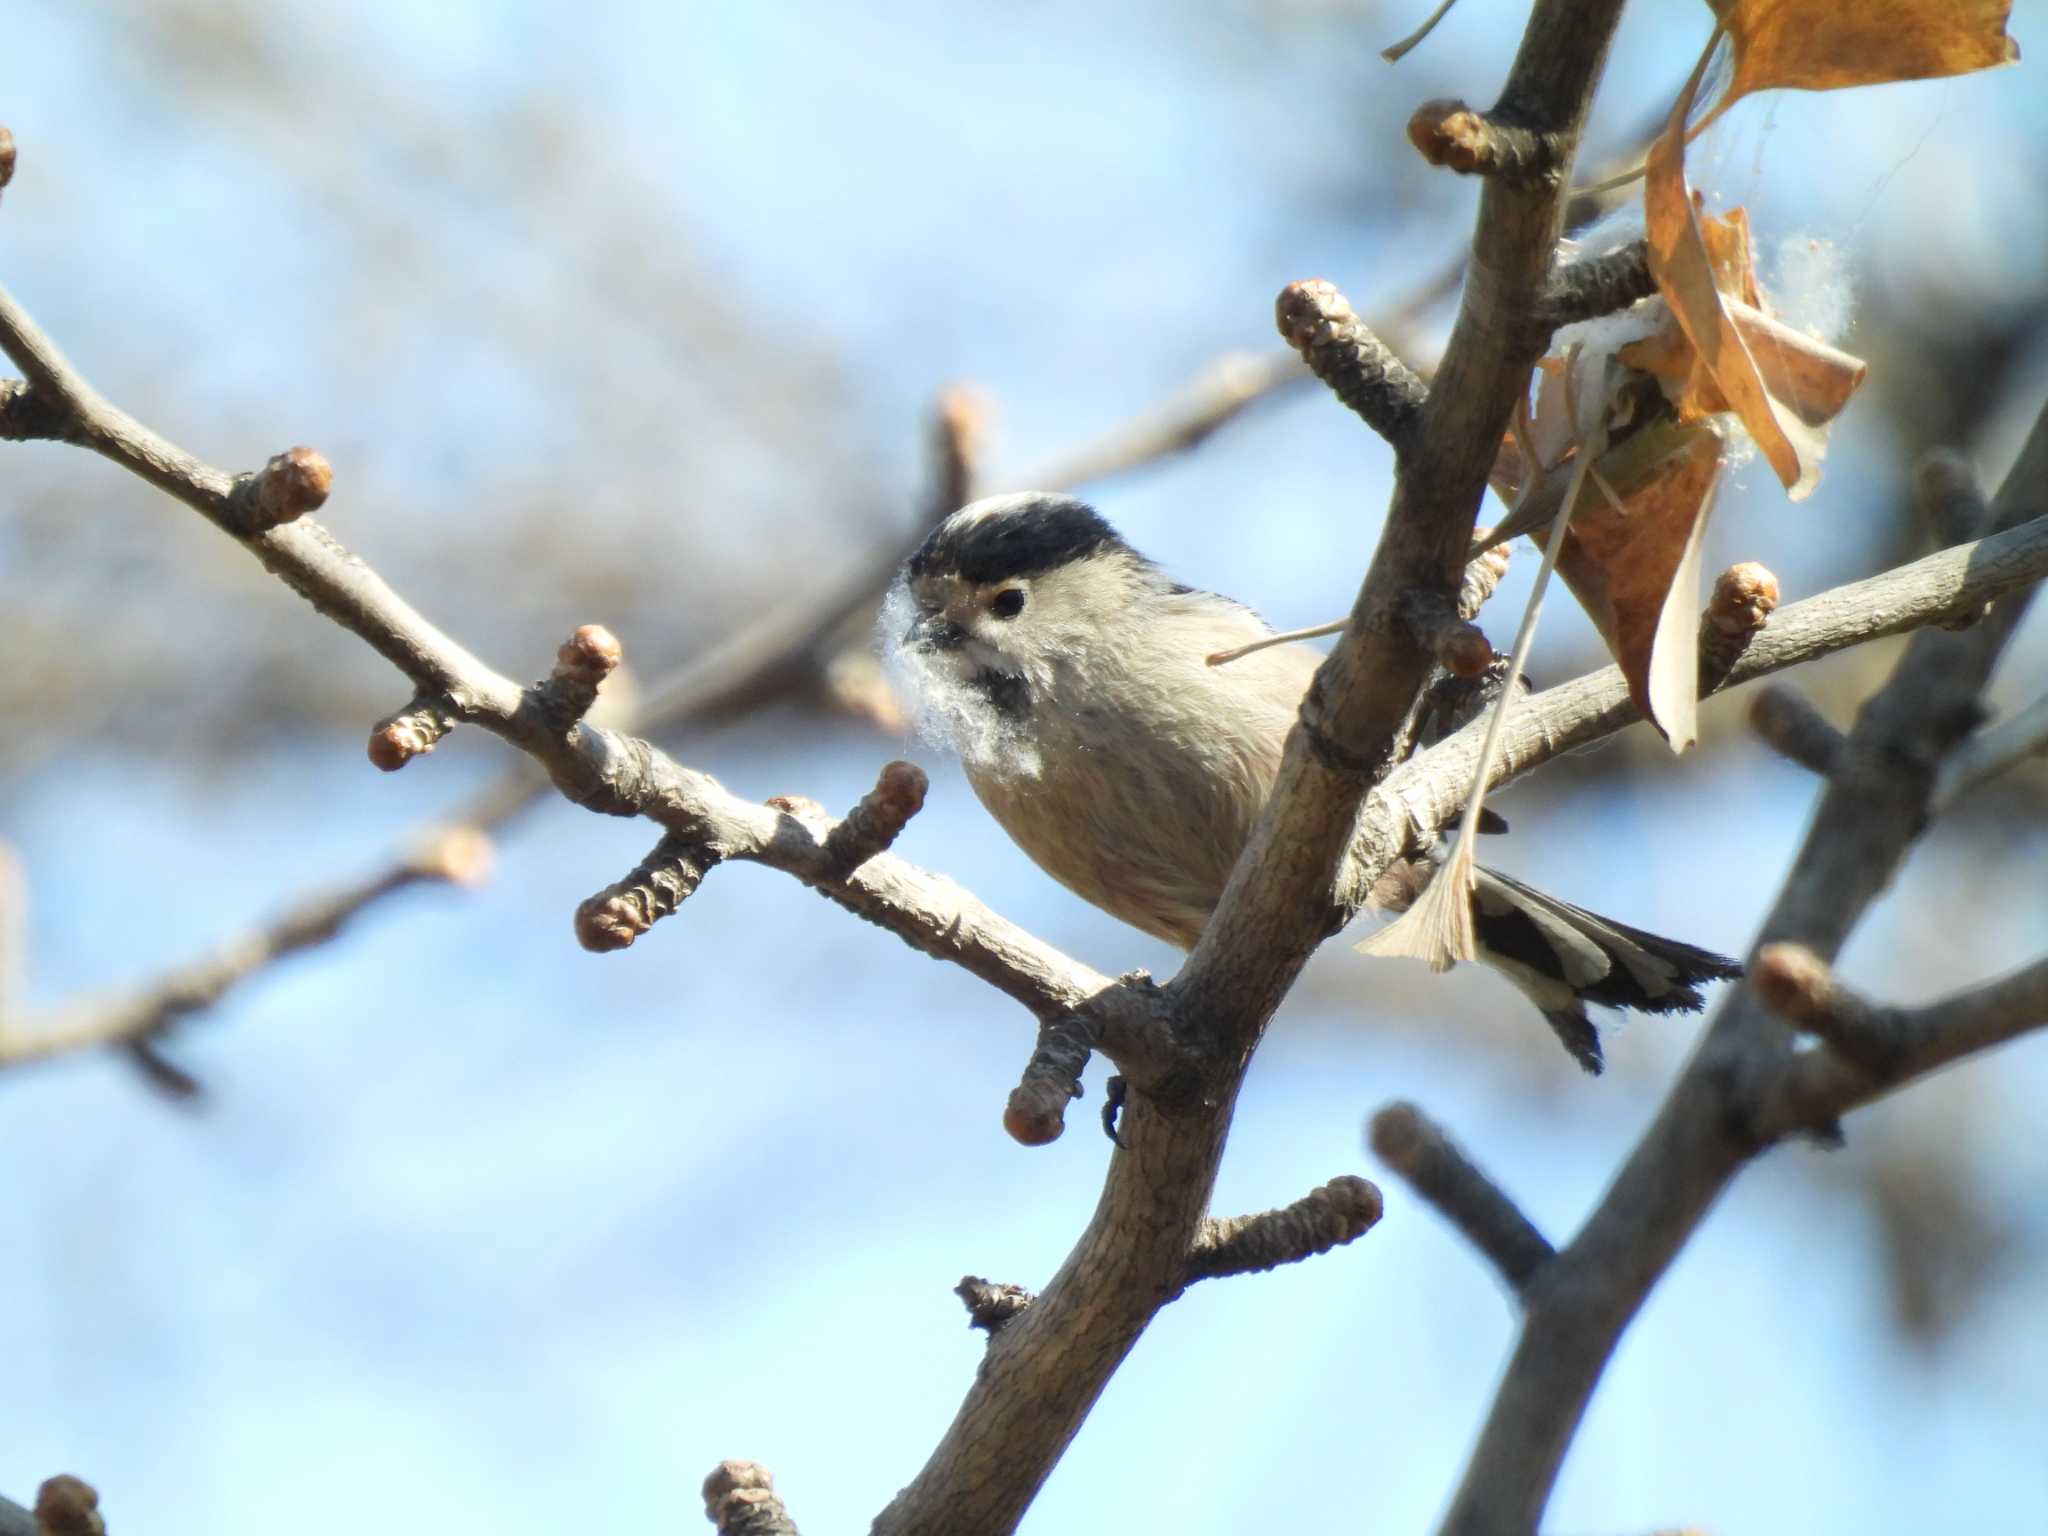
<point>292,484</point>
<point>69,1506</point>
<point>413,732</point>
<point>653,889</point>
<point>990,1304</point>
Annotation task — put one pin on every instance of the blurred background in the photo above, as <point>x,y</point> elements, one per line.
<point>635,314</point>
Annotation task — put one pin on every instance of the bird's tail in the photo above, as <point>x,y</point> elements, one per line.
<point>1563,957</point>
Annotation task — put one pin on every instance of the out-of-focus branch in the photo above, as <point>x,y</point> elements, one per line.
<point>1790,726</point>
<point>1221,392</point>
<point>600,769</point>
<point>1993,751</point>
<point>1747,1085</point>
<point>69,1506</point>
<point>13,931</point>
<point>1948,498</point>
<point>740,1500</point>
<point>1870,1049</point>
<point>459,856</point>
<point>1416,1147</point>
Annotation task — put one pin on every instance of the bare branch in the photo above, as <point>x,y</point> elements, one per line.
<point>1948,498</point>
<point>1220,393</point>
<point>1596,285</point>
<point>1730,1104</point>
<point>597,768</point>
<point>740,1499</point>
<point>653,889</point>
<point>1790,726</point>
<point>884,811</point>
<point>413,732</point>
<point>1417,1148</point>
<point>1327,1217</point>
<point>1427,791</point>
<point>1872,1049</point>
<point>1992,752</point>
<point>584,661</point>
<point>1037,1111</point>
<point>457,855</point>
<point>960,430</point>
<point>1321,325</point>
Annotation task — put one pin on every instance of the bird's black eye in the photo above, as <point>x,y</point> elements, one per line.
<point>1008,603</point>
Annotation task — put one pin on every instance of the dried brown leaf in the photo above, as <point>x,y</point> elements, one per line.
<point>1825,45</point>
<point>1684,265</point>
<point>1632,561</point>
<point>1802,373</point>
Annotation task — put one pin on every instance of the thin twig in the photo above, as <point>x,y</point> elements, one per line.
<point>1394,53</point>
<point>1417,1148</point>
<point>1872,1049</point>
<point>456,855</point>
<point>1327,1217</point>
<point>1991,752</point>
<point>1786,722</point>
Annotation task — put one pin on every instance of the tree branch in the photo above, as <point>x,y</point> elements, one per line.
<point>459,856</point>
<point>601,769</point>
<point>1416,1147</point>
<point>1426,792</point>
<point>1726,1107</point>
<point>1327,1217</point>
<point>1045,1369</point>
<point>1992,752</point>
<point>1870,1049</point>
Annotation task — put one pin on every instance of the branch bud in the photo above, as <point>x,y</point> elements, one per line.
<point>69,1506</point>
<point>660,883</point>
<point>292,484</point>
<point>1320,324</point>
<point>413,732</point>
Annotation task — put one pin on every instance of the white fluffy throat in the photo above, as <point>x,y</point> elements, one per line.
<point>949,711</point>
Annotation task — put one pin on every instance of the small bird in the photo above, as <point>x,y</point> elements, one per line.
<point>1071,676</point>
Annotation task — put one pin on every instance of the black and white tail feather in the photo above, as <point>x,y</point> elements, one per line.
<point>1563,957</point>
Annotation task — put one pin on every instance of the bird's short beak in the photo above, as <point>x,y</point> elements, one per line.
<point>934,632</point>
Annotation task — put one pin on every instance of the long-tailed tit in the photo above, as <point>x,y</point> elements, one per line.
<point>1071,676</point>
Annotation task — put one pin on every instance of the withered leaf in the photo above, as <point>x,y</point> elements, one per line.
<point>1801,372</point>
<point>1632,561</point>
<point>1825,45</point>
<point>1685,270</point>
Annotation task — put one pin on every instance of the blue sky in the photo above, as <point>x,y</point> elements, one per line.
<point>478,1230</point>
